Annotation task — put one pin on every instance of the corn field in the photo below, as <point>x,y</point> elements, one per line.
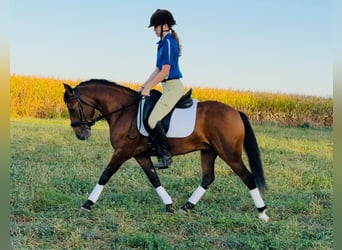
<point>43,98</point>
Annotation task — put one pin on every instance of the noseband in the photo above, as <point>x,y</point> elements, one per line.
<point>85,122</point>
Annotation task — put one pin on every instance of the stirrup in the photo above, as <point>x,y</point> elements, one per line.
<point>163,162</point>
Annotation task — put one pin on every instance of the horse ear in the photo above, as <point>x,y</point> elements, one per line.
<point>68,89</point>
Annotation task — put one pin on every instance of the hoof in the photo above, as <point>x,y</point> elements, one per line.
<point>263,216</point>
<point>161,166</point>
<point>84,210</point>
<point>86,206</point>
<point>163,162</point>
<point>169,209</point>
<point>187,207</point>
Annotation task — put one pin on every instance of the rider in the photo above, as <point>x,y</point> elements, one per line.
<point>168,73</point>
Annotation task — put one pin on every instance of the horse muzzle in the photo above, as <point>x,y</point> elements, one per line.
<point>83,137</point>
<point>83,133</point>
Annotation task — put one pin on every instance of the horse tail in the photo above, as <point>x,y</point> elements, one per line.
<point>252,150</point>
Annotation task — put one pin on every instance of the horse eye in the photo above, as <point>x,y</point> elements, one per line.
<point>71,108</point>
<point>72,111</point>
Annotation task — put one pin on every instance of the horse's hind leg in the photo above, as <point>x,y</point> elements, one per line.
<point>208,157</point>
<point>248,179</point>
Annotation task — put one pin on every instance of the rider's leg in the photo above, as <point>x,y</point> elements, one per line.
<point>172,92</point>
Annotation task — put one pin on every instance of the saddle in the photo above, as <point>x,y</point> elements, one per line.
<point>184,102</point>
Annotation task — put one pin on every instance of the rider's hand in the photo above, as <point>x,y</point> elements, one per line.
<point>145,91</point>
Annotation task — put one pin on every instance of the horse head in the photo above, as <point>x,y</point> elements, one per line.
<point>81,113</point>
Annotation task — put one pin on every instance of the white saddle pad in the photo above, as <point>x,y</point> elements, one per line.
<point>182,121</point>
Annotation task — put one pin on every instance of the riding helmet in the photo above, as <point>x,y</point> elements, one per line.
<point>160,17</point>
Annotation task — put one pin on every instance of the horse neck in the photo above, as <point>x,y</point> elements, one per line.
<point>108,98</point>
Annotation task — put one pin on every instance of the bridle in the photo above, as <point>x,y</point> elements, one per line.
<point>85,122</point>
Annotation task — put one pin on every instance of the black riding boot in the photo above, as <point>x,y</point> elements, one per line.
<point>164,157</point>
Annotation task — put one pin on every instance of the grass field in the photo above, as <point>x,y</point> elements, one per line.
<point>52,174</point>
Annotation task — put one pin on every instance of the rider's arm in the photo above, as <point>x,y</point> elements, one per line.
<point>156,77</point>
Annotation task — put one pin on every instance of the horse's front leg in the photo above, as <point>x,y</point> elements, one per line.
<point>115,163</point>
<point>147,166</point>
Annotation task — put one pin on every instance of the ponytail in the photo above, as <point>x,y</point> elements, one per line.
<point>175,36</point>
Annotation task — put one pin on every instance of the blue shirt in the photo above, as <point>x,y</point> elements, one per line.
<point>168,53</point>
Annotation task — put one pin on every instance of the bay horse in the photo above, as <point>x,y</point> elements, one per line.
<point>219,130</point>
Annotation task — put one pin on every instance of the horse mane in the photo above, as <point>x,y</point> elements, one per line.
<point>106,83</point>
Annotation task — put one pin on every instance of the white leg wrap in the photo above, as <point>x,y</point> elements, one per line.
<point>164,195</point>
<point>96,193</point>
<point>258,201</point>
<point>197,195</point>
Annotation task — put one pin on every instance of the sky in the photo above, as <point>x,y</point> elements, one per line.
<point>265,46</point>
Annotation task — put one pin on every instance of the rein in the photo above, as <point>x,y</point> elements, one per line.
<point>90,122</point>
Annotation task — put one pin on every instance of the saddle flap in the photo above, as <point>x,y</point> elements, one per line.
<point>148,104</point>
<point>181,123</point>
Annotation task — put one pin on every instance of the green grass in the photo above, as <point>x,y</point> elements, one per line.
<point>52,174</point>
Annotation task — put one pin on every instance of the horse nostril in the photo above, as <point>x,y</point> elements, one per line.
<point>81,137</point>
